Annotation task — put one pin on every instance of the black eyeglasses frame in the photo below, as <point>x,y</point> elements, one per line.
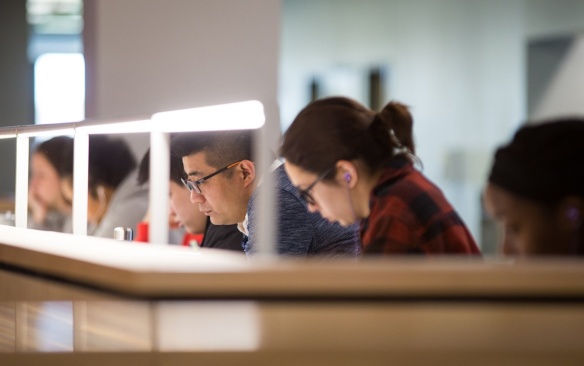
<point>305,193</point>
<point>195,185</point>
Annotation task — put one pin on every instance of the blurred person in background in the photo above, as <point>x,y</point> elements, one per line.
<point>114,196</point>
<point>352,164</point>
<point>535,189</point>
<point>50,208</point>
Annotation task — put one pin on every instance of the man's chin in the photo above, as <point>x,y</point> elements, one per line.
<point>216,220</point>
<point>220,221</point>
<point>342,222</point>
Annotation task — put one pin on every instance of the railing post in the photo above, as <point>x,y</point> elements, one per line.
<point>80,182</point>
<point>159,186</point>
<point>21,192</point>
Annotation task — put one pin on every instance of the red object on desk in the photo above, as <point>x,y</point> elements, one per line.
<point>189,240</point>
<point>142,232</point>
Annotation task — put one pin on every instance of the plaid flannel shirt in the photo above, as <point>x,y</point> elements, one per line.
<point>410,215</point>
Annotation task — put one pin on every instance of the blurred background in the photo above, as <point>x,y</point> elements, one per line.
<point>471,70</point>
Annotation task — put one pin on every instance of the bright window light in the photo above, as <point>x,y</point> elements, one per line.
<point>59,88</point>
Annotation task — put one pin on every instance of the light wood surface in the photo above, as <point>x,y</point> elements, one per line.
<point>67,300</point>
<point>318,333</point>
<point>155,271</point>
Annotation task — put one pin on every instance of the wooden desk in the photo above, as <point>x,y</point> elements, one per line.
<point>71,301</point>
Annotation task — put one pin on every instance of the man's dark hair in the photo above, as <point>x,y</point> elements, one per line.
<point>176,169</point>
<point>220,147</point>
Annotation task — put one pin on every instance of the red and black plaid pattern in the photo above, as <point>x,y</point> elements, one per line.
<point>410,215</point>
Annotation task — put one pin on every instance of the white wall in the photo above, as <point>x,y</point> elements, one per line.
<point>156,55</point>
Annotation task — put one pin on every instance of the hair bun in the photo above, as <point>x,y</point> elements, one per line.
<point>397,120</point>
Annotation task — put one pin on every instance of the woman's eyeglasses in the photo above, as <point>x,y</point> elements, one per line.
<point>195,185</point>
<point>305,193</point>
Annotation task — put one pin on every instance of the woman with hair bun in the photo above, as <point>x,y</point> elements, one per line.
<point>536,189</point>
<point>352,164</point>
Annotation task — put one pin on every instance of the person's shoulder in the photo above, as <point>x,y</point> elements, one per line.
<point>129,187</point>
<point>284,188</point>
<point>407,184</point>
<point>280,175</point>
<point>283,182</point>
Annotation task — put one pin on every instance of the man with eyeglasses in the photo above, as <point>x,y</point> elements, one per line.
<point>186,216</point>
<point>223,180</point>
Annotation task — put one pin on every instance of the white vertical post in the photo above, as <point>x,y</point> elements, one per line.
<point>21,194</point>
<point>266,225</point>
<point>80,182</point>
<point>159,186</point>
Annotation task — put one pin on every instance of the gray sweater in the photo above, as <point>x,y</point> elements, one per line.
<point>299,231</point>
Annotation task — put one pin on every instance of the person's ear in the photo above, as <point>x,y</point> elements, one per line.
<point>101,193</point>
<point>571,213</point>
<point>346,173</point>
<point>67,188</point>
<point>248,171</point>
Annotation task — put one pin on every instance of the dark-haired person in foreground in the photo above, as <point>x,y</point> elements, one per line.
<point>200,232</point>
<point>224,183</point>
<point>536,189</point>
<point>352,164</point>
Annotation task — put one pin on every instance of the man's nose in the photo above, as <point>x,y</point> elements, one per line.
<point>197,197</point>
